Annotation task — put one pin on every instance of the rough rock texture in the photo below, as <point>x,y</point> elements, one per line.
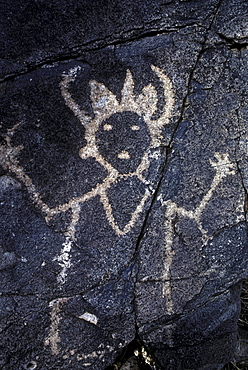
<point>123,181</point>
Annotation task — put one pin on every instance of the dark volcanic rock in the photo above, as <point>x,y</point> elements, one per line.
<point>123,182</point>
<point>37,32</point>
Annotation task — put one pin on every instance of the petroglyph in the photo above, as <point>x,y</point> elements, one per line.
<point>122,166</point>
<point>98,354</point>
<point>53,338</point>
<point>223,168</point>
<point>64,257</point>
<point>105,105</point>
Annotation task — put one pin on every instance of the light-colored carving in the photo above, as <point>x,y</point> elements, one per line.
<point>223,168</point>
<point>98,354</point>
<point>104,105</point>
<point>53,338</point>
<point>64,257</point>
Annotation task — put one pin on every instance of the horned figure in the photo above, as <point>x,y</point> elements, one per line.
<point>121,138</point>
<point>121,135</point>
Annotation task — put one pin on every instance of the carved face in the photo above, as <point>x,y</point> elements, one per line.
<point>122,140</point>
<point>121,132</point>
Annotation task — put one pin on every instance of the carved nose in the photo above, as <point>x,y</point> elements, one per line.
<point>123,155</point>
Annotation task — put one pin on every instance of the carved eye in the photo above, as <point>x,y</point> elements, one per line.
<point>107,127</point>
<point>135,128</point>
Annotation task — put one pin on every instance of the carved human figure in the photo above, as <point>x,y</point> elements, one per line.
<point>122,138</point>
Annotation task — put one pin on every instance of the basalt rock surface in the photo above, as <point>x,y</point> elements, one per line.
<point>123,184</point>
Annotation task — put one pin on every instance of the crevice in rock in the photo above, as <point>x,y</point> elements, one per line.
<point>135,356</point>
<point>77,52</point>
<point>218,231</point>
<point>43,63</point>
<point>60,295</point>
<point>167,151</point>
<point>154,197</point>
<point>185,99</point>
<point>233,44</point>
<point>165,320</point>
<point>241,355</point>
